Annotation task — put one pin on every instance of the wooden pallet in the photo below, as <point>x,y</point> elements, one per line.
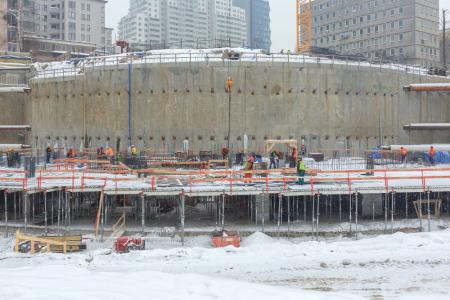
<point>418,205</point>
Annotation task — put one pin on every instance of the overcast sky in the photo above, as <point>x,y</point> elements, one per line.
<point>282,15</point>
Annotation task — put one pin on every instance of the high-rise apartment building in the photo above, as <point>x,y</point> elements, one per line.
<point>403,30</point>
<point>183,24</point>
<point>69,20</point>
<point>445,48</point>
<point>3,27</point>
<point>257,15</point>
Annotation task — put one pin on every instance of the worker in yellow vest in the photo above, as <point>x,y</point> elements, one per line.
<point>301,171</point>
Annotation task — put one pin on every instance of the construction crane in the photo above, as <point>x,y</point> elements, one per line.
<point>304,26</point>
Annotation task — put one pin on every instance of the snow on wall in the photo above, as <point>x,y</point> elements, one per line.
<point>77,67</point>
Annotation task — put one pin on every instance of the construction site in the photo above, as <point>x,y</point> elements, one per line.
<point>160,149</point>
<point>177,109</point>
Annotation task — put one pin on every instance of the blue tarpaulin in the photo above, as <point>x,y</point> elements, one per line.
<point>375,153</point>
<point>441,157</point>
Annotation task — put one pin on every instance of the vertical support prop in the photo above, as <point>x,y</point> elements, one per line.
<point>350,212</point>
<point>392,210</point>
<point>386,197</point>
<point>317,217</point>
<point>279,214</point>
<point>45,212</point>
<point>312,215</point>
<point>428,211</point>
<point>182,203</point>
<point>223,212</point>
<point>356,215</point>
<point>420,212</point>
<point>25,199</point>
<point>262,211</point>
<point>289,214</point>
<point>142,213</point>
<point>6,213</point>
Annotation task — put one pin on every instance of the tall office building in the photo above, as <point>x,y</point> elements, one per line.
<point>403,30</point>
<point>69,20</point>
<point>183,24</point>
<point>257,15</point>
<point>3,27</point>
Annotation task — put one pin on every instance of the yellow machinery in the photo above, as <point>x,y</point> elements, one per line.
<point>304,26</point>
<point>58,244</point>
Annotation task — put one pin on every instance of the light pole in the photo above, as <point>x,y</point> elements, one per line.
<point>444,38</point>
<point>229,85</point>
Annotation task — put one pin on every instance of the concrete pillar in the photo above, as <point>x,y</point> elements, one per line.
<point>263,208</point>
<point>371,204</point>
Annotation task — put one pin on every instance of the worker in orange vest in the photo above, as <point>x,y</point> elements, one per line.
<point>109,152</point>
<point>432,154</point>
<point>403,153</point>
<point>70,153</point>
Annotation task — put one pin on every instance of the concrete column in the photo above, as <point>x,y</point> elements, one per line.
<point>371,204</point>
<point>263,208</point>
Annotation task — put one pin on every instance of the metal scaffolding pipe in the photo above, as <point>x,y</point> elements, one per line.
<point>428,87</point>
<point>356,215</point>
<point>419,148</point>
<point>182,201</point>
<point>142,212</point>
<point>6,214</point>
<point>427,126</point>
<point>15,89</point>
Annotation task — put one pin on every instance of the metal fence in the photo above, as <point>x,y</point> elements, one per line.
<point>79,67</point>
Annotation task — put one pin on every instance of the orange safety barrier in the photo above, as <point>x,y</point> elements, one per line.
<point>231,180</point>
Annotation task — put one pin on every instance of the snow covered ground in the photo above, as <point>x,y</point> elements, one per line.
<point>399,266</point>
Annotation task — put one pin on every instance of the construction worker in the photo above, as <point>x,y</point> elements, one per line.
<point>70,153</point>
<point>303,149</point>
<point>273,160</point>
<point>48,154</point>
<point>109,152</point>
<point>225,153</point>
<point>432,154</point>
<point>134,151</point>
<point>403,153</point>
<point>10,158</point>
<point>248,166</point>
<point>301,171</point>
<point>294,156</point>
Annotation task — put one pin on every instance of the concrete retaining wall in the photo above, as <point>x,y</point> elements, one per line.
<point>330,106</point>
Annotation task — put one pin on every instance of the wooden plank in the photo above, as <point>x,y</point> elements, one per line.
<point>100,205</point>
